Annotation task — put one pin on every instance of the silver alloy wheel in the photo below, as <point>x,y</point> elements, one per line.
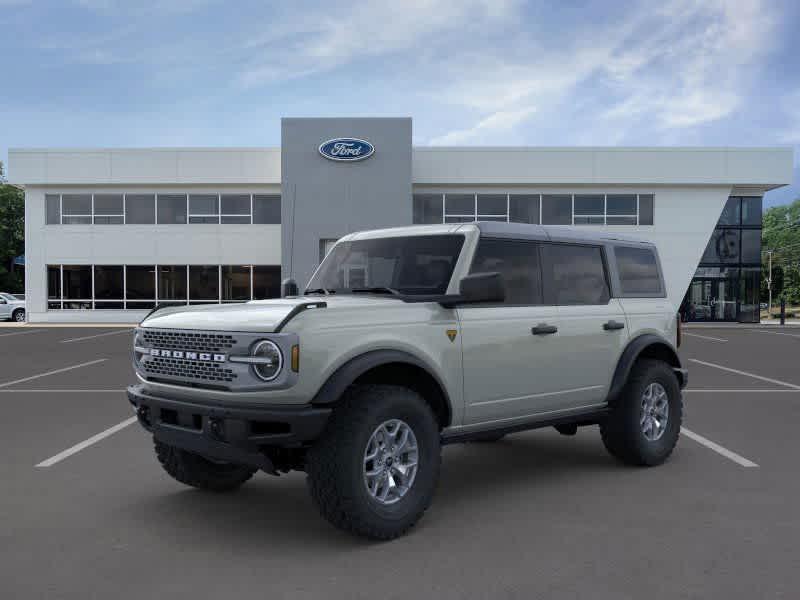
<point>390,461</point>
<point>655,411</point>
<point>19,316</point>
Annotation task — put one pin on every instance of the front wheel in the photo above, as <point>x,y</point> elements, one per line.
<point>19,315</point>
<point>644,422</point>
<point>375,468</point>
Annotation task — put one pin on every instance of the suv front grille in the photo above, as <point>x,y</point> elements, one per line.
<point>200,371</point>
<point>166,339</point>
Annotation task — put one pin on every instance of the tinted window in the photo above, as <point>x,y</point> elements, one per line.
<point>638,270</point>
<point>171,209</point>
<point>77,282</point>
<point>53,206</point>
<point>723,247</point>
<point>646,209</point>
<point>751,211</point>
<point>524,208</point>
<point>589,209</point>
<point>459,204</point>
<point>621,204</point>
<point>493,205</point>
<point>172,282</point>
<point>140,209</point>
<point>730,214</point>
<point>266,209</point>
<point>574,274</point>
<point>517,262</point>
<point>203,282</point>
<point>108,209</point>
<point>751,245</point>
<point>203,208</point>
<point>140,282</point>
<point>108,282</point>
<point>557,210</point>
<point>427,208</point>
<point>266,282</point>
<point>53,282</point>
<point>76,209</point>
<point>235,208</point>
<point>235,283</point>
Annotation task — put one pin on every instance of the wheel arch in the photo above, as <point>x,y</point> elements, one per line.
<point>392,367</point>
<point>644,346</point>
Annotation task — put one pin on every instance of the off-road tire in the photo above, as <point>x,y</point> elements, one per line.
<point>335,463</point>
<point>621,430</point>
<point>196,471</point>
<point>18,315</point>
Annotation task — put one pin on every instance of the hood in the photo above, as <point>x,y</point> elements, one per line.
<point>260,316</point>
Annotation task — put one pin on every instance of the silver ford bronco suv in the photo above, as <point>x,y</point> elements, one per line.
<point>407,339</point>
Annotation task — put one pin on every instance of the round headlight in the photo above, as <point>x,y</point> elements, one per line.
<point>272,360</point>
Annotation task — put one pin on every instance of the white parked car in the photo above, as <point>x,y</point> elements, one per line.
<point>12,308</point>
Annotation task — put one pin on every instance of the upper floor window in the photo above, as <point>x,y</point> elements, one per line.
<point>547,209</point>
<point>162,209</point>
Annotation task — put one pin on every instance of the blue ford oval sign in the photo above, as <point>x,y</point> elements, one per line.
<point>351,149</point>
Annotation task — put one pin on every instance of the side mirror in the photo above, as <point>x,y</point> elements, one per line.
<point>482,287</point>
<point>289,288</point>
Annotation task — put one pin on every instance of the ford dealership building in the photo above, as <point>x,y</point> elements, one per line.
<point>111,233</point>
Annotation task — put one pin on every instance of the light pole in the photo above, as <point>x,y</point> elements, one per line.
<point>769,285</point>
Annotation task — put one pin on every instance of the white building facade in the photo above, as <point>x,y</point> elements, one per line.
<point>111,233</point>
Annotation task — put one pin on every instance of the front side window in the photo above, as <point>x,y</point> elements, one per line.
<point>638,270</point>
<point>409,265</point>
<point>574,274</point>
<point>517,262</point>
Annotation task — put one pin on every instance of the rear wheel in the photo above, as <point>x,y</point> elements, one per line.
<point>374,470</point>
<point>19,315</point>
<point>197,471</point>
<point>644,422</point>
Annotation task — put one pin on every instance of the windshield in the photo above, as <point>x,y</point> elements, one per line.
<point>420,264</point>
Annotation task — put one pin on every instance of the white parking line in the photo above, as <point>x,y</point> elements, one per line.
<point>745,391</point>
<point>91,337</point>
<point>794,335</point>
<point>86,443</point>
<point>737,458</point>
<point>24,379</point>
<point>27,331</point>
<point>746,374</point>
<point>93,391</point>
<point>705,337</point>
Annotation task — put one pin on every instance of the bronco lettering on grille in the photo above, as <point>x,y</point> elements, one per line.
<point>189,355</point>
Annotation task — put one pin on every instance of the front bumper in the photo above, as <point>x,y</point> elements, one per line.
<point>237,435</point>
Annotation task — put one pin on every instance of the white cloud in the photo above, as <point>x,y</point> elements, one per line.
<point>496,122</point>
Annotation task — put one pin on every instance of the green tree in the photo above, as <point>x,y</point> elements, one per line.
<point>781,235</point>
<point>12,235</point>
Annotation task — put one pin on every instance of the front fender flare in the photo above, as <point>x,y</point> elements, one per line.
<point>346,374</point>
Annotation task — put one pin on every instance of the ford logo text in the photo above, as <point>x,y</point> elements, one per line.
<point>345,149</point>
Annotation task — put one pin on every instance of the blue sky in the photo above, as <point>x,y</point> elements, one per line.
<point>470,72</point>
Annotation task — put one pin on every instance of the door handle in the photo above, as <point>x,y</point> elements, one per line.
<point>612,325</point>
<point>543,329</point>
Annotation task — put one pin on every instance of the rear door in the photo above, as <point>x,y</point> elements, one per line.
<point>510,371</point>
<point>592,327</point>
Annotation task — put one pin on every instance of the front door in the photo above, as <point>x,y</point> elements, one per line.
<point>512,363</point>
<point>711,300</point>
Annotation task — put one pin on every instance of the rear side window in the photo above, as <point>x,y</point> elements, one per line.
<point>517,262</point>
<point>574,274</point>
<point>638,271</point>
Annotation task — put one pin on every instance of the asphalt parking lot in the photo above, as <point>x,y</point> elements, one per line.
<point>535,515</point>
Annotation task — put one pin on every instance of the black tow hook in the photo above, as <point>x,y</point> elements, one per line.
<point>217,428</point>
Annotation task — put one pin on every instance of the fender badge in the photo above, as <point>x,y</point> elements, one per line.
<point>452,333</point>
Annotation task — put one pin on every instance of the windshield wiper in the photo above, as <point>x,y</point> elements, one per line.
<point>376,290</point>
<point>319,291</point>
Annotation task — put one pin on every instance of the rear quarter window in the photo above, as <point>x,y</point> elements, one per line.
<point>638,271</point>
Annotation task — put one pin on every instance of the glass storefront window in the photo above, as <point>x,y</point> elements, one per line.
<point>751,211</point>
<point>751,246</point>
<point>723,247</point>
<point>712,295</point>
<point>730,214</point>
<point>750,295</point>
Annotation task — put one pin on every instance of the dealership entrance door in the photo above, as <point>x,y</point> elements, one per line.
<point>712,300</point>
